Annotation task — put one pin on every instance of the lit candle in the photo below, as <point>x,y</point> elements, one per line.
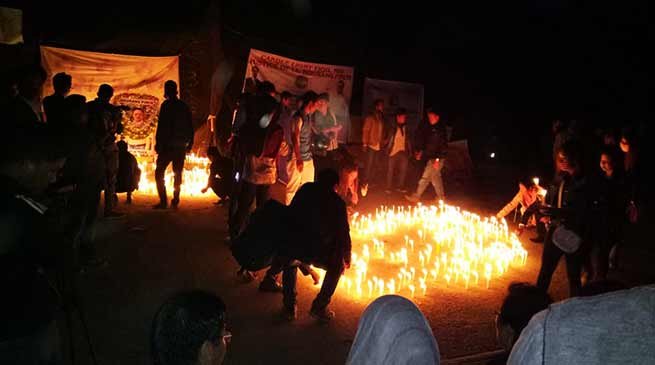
<point>411,289</point>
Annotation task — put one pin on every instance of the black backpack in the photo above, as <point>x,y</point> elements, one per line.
<point>255,248</point>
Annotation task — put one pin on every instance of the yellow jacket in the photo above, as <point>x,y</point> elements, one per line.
<point>372,131</point>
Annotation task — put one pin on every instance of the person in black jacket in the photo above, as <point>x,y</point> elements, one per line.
<point>320,236</point>
<point>54,106</point>
<point>105,123</point>
<point>571,213</point>
<point>173,141</point>
<point>431,146</point>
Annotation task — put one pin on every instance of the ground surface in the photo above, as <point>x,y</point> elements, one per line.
<point>155,253</point>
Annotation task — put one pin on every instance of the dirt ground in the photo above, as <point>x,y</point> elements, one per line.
<point>153,254</point>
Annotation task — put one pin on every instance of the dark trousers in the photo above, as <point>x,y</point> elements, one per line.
<point>248,193</point>
<point>371,157</point>
<point>397,165</point>
<point>111,174</point>
<point>176,156</point>
<point>330,282</point>
<point>550,259</point>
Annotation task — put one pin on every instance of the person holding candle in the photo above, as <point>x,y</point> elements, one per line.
<point>431,147</point>
<point>568,214</point>
<point>529,198</point>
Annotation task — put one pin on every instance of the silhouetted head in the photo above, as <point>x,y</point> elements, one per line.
<point>521,303</point>
<point>308,105</point>
<point>170,89</point>
<point>378,104</point>
<point>433,116</point>
<point>401,116</point>
<point>266,88</point>
<point>30,82</point>
<point>105,92</point>
<point>122,146</point>
<point>62,83</point>
<point>189,329</point>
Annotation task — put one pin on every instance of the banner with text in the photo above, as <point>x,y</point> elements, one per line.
<point>298,77</point>
<point>138,83</point>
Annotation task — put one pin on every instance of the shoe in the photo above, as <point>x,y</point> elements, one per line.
<point>175,203</point>
<point>322,315</point>
<point>388,191</point>
<point>113,215</point>
<point>289,314</point>
<point>160,206</point>
<point>411,198</point>
<point>270,285</point>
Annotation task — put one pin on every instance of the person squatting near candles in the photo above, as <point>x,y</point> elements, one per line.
<point>320,235</point>
<point>529,198</point>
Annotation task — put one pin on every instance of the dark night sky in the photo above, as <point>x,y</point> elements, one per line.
<point>506,61</point>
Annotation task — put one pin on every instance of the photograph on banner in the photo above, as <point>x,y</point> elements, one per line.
<point>138,84</point>
<point>396,94</point>
<point>299,77</point>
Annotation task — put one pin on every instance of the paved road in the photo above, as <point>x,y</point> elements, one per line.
<point>155,253</point>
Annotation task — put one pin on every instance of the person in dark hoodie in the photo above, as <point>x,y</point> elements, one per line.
<point>174,139</point>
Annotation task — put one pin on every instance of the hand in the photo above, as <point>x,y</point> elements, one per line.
<point>299,165</point>
<point>520,229</point>
<point>435,164</point>
<point>364,189</point>
<point>204,190</point>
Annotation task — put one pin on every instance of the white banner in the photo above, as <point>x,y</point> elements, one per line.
<point>138,83</point>
<point>298,77</point>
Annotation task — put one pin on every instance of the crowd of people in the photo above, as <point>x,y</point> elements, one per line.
<point>284,151</point>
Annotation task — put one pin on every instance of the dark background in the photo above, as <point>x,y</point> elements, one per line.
<point>499,72</point>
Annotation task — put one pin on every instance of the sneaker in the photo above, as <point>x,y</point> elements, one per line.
<point>411,198</point>
<point>322,315</point>
<point>159,206</point>
<point>289,314</point>
<point>270,285</point>
<point>113,215</point>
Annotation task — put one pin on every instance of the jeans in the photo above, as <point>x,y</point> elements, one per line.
<point>431,175</point>
<point>397,164</point>
<point>392,330</point>
<point>330,282</point>
<point>371,157</point>
<point>249,192</point>
<point>176,156</point>
<point>550,259</point>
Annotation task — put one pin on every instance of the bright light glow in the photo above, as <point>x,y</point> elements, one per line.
<point>535,180</point>
<point>493,155</point>
<point>194,176</point>
<point>410,250</point>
